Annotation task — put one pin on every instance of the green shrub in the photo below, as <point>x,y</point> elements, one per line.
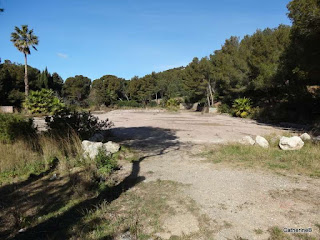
<point>13,127</point>
<point>224,108</point>
<point>173,103</point>
<point>242,107</point>
<point>82,123</point>
<point>130,103</point>
<point>152,104</point>
<point>105,163</point>
<point>43,102</point>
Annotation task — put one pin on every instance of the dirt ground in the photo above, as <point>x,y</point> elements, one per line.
<point>241,203</point>
<point>190,126</point>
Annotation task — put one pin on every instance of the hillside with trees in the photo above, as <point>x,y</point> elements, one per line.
<point>277,69</point>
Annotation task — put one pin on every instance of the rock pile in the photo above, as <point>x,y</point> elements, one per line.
<point>285,143</point>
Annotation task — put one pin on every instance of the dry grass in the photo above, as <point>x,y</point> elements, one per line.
<point>32,156</point>
<point>141,213</point>
<point>18,158</point>
<point>305,161</point>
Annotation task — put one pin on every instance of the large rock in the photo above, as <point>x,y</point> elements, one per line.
<point>262,142</point>
<point>195,106</point>
<point>291,143</point>
<point>305,137</point>
<point>91,149</point>
<point>247,140</point>
<point>112,147</point>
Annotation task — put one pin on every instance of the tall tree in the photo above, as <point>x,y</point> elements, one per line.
<point>23,39</point>
<point>76,89</point>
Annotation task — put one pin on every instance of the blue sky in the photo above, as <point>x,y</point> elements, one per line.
<point>130,37</point>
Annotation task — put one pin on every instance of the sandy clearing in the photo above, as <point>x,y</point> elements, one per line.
<point>238,201</point>
<point>190,126</point>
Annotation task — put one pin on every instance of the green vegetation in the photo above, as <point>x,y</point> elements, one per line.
<point>43,102</point>
<point>129,104</point>
<point>304,161</point>
<point>23,39</point>
<point>173,103</point>
<point>34,155</point>
<point>82,123</point>
<point>242,107</point>
<point>76,90</point>
<point>14,127</point>
<point>278,69</point>
<point>105,163</point>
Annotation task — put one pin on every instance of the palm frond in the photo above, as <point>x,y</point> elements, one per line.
<point>24,38</point>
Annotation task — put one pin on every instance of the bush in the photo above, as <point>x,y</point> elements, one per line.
<point>13,127</point>
<point>152,104</point>
<point>173,103</point>
<point>130,103</point>
<point>242,107</point>
<point>105,163</point>
<point>82,123</point>
<point>43,102</point>
<point>224,108</point>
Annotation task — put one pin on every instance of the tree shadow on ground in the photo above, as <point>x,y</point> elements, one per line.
<point>147,139</point>
<point>151,141</point>
<point>295,127</point>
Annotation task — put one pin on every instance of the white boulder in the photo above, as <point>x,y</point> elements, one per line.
<point>111,147</point>
<point>305,137</point>
<point>247,140</point>
<point>291,143</point>
<point>262,142</point>
<point>91,149</point>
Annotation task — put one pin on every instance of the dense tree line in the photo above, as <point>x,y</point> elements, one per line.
<point>12,82</point>
<point>278,69</point>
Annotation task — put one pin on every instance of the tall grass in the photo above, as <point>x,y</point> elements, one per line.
<point>23,157</point>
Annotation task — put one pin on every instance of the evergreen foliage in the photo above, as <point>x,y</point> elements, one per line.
<point>43,102</point>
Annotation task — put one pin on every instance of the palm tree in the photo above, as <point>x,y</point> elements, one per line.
<point>22,39</point>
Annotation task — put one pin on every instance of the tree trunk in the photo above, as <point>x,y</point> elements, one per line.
<point>26,82</point>
<point>211,94</point>
<point>208,98</point>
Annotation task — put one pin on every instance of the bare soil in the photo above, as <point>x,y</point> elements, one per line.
<point>242,203</point>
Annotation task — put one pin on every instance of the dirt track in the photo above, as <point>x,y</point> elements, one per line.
<point>239,202</point>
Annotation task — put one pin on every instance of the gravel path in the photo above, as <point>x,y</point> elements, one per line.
<point>238,201</point>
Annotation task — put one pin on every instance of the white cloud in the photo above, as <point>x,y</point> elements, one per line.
<point>62,55</point>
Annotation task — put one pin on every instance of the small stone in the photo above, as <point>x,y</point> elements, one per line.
<point>53,177</point>
<point>305,137</point>
<point>126,236</point>
<point>247,140</point>
<point>262,142</point>
<point>316,138</point>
